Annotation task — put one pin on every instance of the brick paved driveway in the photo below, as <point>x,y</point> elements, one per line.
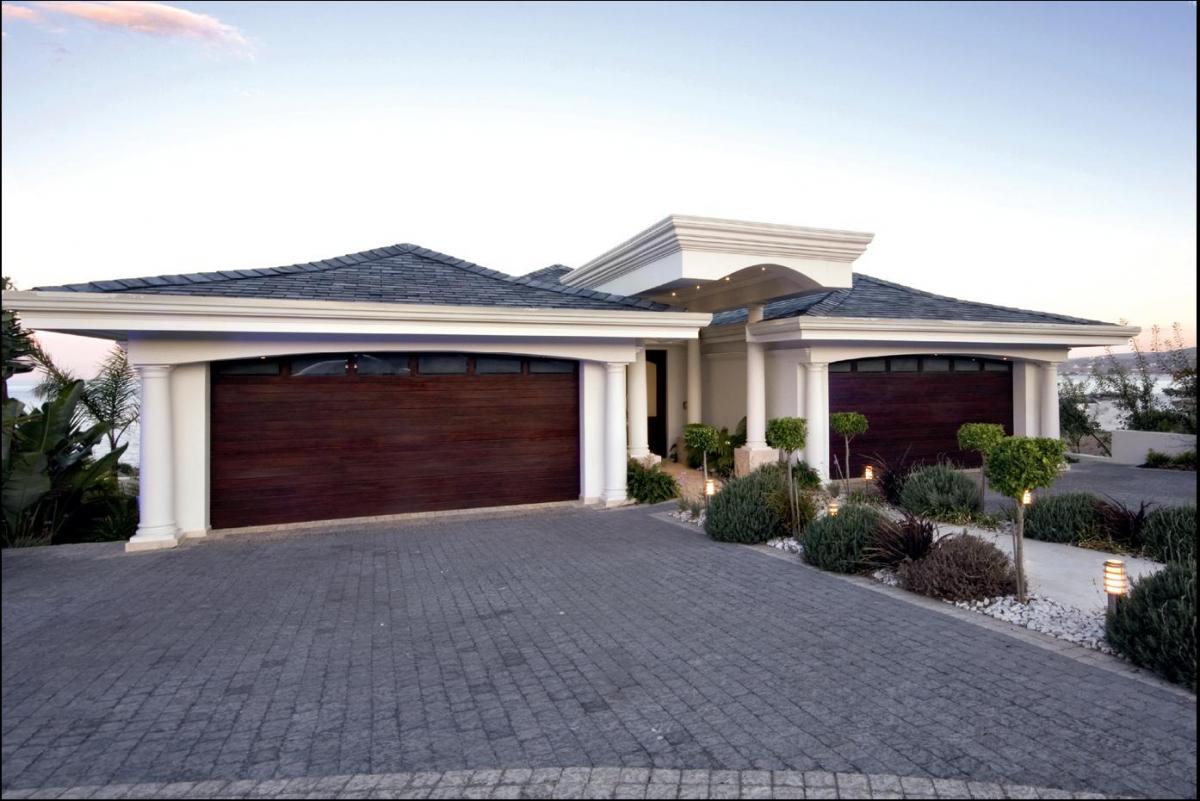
<point>566,638</point>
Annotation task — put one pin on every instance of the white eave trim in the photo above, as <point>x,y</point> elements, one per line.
<point>823,329</point>
<point>98,313</point>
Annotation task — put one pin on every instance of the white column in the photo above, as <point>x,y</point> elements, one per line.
<point>614,434</point>
<point>1049,395</point>
<point>816,412</point>
<point>694,391</point>
<point>756,397</point>
<point>156,465</point>
<point>639,436</point>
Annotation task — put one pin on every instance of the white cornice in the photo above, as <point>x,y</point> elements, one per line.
<point>814,329</point>
<point>677,233</point>
<point>102,314</point>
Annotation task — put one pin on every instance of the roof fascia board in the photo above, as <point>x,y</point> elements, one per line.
<point>818,329</point>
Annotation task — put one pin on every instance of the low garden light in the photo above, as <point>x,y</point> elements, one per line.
<point>710,488</point>
<point>1116,583</point>
<point>834,507</point>
<point>1026,497</point>
<point>869,473</point>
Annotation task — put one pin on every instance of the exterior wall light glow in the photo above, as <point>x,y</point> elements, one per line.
<point>1026,497</point>
<point>834,507</point>
<point>869,473</point>
<point>1116,583</point>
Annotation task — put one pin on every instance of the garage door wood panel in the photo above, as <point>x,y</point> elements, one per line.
<point>917,411</point>
<point>293,448</point>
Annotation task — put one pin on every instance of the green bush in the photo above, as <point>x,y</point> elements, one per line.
<point>1070,518</point>
<point>743,512</point>
<point>806,478</point>
<point>720,457</point>
<point>960,567</point>
<point>1182,461</point>
<point>939,490</point>
<point>649,484</point>
<point>1155,625</point>
<point>1170,534</point>
<point>838,542</point>
<point>775,478</point>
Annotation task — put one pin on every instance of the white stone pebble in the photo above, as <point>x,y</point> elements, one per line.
<point>688,517</point>
<point>1047,616</point>
<point>786,544</point>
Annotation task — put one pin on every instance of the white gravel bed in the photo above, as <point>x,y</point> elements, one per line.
<point>688,517</point>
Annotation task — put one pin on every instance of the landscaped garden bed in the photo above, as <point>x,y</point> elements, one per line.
<point>888,531</point>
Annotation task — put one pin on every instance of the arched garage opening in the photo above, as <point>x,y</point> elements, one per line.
<point>915,404</point>
<point>340,435</point>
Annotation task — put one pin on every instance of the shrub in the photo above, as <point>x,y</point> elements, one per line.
<point>1170,534</point>
<point>1070,518</point>
<point>806,478</point>
<point>938,491</point>
<point>788,434</point>
<point>1121,524</point>
<point>849,425</point>
<point>1155,625</point>
<point>1181,461</point>
<point>868,495</point>
<point>837,542</point>
<point>649,484</point>
<point>743,512</point>
<point>980,438</point>
<point>889,476</point>
<point>896,542</point>
<point>960,568</point>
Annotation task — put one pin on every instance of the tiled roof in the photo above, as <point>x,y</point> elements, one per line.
<point>874,297</point>
<point>395,274</point>
<point>551,273</point>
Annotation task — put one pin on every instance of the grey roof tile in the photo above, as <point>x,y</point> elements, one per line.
<point>874,297</point>
<point>400,273</point>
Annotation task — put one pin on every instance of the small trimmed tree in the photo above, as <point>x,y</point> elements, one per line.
<point>980,438</point>
<point>1017,465</point>
<point>704,438</point>
<point>849,425</point>
<point>788,434</point>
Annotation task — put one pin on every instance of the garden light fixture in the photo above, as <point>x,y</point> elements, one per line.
<point>1026,497</point>
<point>1116,583</point>
<point>710,487</point>
<point>869,473</point>
<point>834,506</point>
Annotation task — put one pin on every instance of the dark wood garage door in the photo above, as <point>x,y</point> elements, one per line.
<point>350,435</point>
<point>916,404</point>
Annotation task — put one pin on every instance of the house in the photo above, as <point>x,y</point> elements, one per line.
<point>404,380</point>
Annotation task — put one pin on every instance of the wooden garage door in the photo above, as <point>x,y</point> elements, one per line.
<point>349,435</point>
<point>916,404</point>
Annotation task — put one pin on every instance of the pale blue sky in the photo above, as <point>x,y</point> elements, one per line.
<point>1041,155</point>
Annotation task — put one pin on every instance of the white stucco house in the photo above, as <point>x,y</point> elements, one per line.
<point>400,380</point>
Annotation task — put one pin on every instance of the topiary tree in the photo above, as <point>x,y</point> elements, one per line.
<point>1017,465</point>
<point>703,438</point>
<point>980,438</point>
<point>849,425</point>
<point>788,434</point>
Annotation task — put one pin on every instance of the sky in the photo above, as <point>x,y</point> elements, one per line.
<point>1032,155</point>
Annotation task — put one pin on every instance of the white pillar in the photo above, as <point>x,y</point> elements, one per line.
<point>1049,395</point>
<point>816,412</point>
<point>156,466</point>
<point>614,434</point>
<point>694,401</point>
<point>639,436</point>
<point>756,396</point>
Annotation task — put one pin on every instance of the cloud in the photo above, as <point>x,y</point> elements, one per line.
<point>154,19</point>
<point>10,12</point>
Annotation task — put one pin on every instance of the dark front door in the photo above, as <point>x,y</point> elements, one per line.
<point>915,404</point>
<point>656,403</point>
<point>352,435</point>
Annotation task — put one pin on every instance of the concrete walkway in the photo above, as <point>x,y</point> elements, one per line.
<point>1127,484</point>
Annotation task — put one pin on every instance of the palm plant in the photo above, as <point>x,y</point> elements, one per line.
<point>110,399</point>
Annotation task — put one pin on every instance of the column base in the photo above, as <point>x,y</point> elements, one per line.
<point>154,538</point>
<point>747,459</point>
<point>610,501</point>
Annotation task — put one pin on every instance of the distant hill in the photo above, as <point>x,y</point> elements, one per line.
<point>1082,365</point>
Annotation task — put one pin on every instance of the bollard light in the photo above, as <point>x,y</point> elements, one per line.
<point>710,487</point>
<point>869,473</point>
<point>834,506</point>
<point>1116,583</point>
<point>1026,497</point>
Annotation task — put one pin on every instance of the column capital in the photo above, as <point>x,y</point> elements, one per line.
<point>154,370</point>
<point>616,367</point>
<point>817,365</point>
